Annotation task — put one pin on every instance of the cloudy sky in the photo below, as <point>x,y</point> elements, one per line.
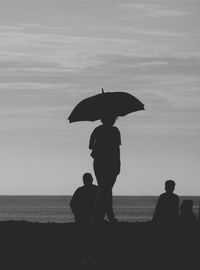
<point>54,53</point>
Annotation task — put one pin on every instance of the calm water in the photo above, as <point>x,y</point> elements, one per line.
<point>56,208</point>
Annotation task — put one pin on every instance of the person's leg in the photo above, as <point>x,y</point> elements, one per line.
<point>109,197</point>
<point>108,203</point>
<point>100,210</point>
<point>100,200</point>
<point>106,179</point>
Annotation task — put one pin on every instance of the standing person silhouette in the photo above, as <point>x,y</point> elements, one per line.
<point>105,144</point>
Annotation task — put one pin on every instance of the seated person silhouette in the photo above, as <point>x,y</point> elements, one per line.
<point>83,200</point>
<point>167,208</point>
<point>186,217</point>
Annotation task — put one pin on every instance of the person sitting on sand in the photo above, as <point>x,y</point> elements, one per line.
<point>83,200</point>
<point>167,208</point>
<point>186,217</point>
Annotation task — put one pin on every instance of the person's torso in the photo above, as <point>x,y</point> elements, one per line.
<point>169,205</point>
<point>107,142</point>
<point>87,195</point>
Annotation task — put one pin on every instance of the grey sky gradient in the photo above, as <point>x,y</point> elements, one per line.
<point>53,53</point>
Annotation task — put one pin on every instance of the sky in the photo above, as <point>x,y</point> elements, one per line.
<point>54,53</point>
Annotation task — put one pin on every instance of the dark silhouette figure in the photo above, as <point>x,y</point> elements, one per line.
<point>167,207</point>
<point>105,144</point>
<point>187,217</point>
<point>199,213</point>
<point>83,200</point>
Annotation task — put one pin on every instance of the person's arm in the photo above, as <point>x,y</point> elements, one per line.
<point>118,160</point>
<point>177,208</point>
<point>156,214</point>
<point>74,199</point>
<point>117,136</point>
<point>118,142</point>
<point>92,140</point>
<point>119,139</point>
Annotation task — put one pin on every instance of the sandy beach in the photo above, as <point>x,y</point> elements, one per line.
<point>26,245</point>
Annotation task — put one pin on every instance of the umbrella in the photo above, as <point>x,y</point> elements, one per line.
<point>106,103</point>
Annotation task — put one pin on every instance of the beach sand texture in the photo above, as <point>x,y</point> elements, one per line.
<point>26,245</point>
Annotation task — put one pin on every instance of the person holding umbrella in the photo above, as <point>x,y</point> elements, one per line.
<point>105,144</point>
<point>105,141</point>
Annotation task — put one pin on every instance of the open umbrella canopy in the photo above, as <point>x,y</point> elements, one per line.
<point>109,103</point>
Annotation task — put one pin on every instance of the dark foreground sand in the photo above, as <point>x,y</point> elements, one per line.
<point>27,245</point>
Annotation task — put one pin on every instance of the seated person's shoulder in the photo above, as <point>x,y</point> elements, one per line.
<point>163,195</point>
<point>94,187</point>
<point>79,190</point>
<point>166,195</point>
<point>175,196</point>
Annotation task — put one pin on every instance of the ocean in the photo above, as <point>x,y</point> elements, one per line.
<point>56,208</point>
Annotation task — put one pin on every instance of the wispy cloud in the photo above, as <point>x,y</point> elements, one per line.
<point>136,31</point>
<point>43,65</point>
<point>64,53</point>
<point>40,26</point>
<point>150,10</point>
<point>70,52</point>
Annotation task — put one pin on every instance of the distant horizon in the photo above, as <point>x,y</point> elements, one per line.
<point>115,195</point>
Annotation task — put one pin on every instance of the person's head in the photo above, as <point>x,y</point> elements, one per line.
<point>169,186</point>
<point>108,120</point>
<point>87,179</point>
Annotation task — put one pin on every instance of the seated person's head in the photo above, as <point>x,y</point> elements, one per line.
<point>108,120</point>
<point>186,206</point>
<point>169,186</point>
<point>87,179</point>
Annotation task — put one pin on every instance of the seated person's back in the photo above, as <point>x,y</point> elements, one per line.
<point>83,200</point>
<point>187,217</point>
<point>167,207</point>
